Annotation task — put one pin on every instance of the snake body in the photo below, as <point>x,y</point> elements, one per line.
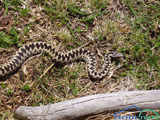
<point>42,47</point>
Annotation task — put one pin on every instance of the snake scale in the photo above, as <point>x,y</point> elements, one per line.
<point>33,48</point>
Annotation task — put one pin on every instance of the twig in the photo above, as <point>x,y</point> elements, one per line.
<point>84,45</point>
<point>46,70</point>
<point>32,58</point>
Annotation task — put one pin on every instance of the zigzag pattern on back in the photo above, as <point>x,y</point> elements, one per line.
<point>39,47</point>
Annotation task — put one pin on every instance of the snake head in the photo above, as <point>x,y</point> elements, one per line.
<point>117,55</point>
<point>114,54</point>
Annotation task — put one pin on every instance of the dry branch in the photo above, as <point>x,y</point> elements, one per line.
<point>93,104</point>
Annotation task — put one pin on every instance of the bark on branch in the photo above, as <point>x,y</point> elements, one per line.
<point>93,104</point>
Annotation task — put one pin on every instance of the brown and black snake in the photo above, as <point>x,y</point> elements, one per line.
<point>33,48</point>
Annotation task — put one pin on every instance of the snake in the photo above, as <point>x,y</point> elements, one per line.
<point>34,48</point>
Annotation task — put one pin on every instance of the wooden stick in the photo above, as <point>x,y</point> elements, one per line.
<point>90,105</point>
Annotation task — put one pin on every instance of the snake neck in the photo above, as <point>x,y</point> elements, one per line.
<point>98,75</point>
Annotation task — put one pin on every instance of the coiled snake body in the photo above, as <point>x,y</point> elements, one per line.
<point>39,47</point>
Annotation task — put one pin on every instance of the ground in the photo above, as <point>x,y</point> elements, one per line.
<point>129,27</point>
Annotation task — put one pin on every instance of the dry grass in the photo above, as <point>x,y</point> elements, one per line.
<point>108,26</point>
